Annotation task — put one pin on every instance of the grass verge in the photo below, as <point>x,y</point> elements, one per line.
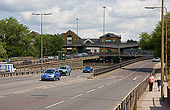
<point>168,78</point>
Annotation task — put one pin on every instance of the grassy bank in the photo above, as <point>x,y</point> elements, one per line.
<point>168,78</point>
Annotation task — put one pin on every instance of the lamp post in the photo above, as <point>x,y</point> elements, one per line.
<point>104,7</point>
<point>41,14</point>
<point>77,25</point>
<point>77,34</point>
<point>162,48</point>
<point>166,57</point>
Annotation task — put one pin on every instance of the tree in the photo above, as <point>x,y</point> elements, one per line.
<point>153,41</point>
<point>51,44</point>
<point>145,41</point>
<point>2,51</point>
<point>16,37</point>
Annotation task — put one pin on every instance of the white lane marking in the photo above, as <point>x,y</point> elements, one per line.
<point>90,91</point>
<point>114,81</point>
<point>54,104</point>
<point>101,86</point>
<point>76,96</point>
<point>109,83</point>
<point>133,72</point>
<point>134,78</point>
<point>2,96</point>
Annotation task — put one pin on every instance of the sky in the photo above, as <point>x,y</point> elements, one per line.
<point>127,18</point>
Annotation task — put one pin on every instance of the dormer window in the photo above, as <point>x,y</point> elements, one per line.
<point>69,39</point>
<point>107,35</point>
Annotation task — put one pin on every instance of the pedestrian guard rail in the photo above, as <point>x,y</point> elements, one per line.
<point>130,101</point>
<point>118,65</point>
<point>19,73</point>
<point>168,94</point>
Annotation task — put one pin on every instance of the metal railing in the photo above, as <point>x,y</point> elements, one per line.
<point>118,65</point>
<point>168,94</point>
<point>130,101</point>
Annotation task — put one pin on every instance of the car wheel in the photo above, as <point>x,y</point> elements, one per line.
<point>42,79</point>
<point>54,78</point>
<point>59,78</point>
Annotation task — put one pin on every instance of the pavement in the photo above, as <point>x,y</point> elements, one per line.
<point>152,100</point>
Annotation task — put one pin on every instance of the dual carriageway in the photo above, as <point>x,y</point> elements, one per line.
<point>74,92</point>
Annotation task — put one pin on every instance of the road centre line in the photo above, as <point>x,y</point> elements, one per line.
<point>90,91</point>
<point>101,86</point>
<point>76,96</point>
<point>2,96</point>
<point>109,83</point>
<point>54,104</point>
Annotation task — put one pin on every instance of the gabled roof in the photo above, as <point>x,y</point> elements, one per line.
<point>111,35</point>
<point>35,33</point>
<point>88,40</point>
<point>69,31</point>
<point>95,41</point>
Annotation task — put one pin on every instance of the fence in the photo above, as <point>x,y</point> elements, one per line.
<point>130,101</point>
<point>118,65</point>
<point>168,94</point>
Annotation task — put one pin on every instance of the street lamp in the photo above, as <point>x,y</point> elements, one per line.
<point>41,14</point>
<point>104,39</point>
<point>77,34</point>
<point>77,24</point>
<point>162,48</point>
<point>166,57</point>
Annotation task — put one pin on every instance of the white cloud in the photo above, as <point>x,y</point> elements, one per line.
<point>123,17</point>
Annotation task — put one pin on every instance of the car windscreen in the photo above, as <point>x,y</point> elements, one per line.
<point>87,67</point>
<point>62,67</point>
<point>49,71</point>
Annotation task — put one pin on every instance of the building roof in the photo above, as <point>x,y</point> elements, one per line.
<point>93,41</point>
<point>111,35</point>
<point>35,33</point>
<point>70,32</point>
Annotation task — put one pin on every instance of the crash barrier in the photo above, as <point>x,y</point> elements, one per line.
<point>9,74</point>
<point>118,65</point>
<point>168,94</point>
<point>130,101</point>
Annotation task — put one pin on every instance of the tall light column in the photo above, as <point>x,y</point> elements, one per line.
<point>77,33</point>
<point>41,14</point>
<point>162,54</point>
<point>162,47</point>
<point>104,33</point>
<point>77,25</point>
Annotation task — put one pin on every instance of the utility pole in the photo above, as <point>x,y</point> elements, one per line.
<point>104,39</point>
<point>41,14</point>
<point>162,54</point>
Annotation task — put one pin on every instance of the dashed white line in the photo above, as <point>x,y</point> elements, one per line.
<point>109,83</point>
<point>90,91</point>
<point>101,86</point>
<point>2,96</point>
<point>54,104</point>
<point>76,96</point>
<point>114,81</point>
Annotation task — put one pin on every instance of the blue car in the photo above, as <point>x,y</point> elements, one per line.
<point>87,69</point>
<point>51,74</point>
<point>64,70</point>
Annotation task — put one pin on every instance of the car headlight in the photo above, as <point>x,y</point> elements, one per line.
<point>52,75</point>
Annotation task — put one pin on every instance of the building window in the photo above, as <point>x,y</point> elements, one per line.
<point>108,40</point>
<point>108,50</point>
<point>69,39</point>
<point>102,40</point>
<point>113,40</point>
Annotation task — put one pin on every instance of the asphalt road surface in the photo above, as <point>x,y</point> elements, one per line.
<point>74,92</point>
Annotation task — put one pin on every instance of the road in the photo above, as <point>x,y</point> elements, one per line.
<point>74,92</point>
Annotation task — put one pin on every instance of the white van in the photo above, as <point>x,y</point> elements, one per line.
<point>4,67</point>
